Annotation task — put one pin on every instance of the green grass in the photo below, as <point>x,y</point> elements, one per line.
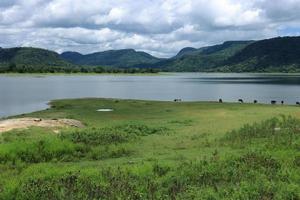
<point>155,150</point>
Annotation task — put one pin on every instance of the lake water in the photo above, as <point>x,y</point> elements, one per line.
<point>20,94</point>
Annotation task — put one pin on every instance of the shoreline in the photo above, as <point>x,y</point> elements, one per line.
<point>78,74</point>
<point>48,105</point>
<point>41,75</point>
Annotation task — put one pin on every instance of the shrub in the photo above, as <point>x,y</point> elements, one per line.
<point>284,131</point>
<point>43,150</point>
<point>111,135</point>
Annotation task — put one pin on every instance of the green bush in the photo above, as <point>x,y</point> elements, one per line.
<point>247,173</point>
<point>111,135</point>
<point>43,150</point>
<point>253,175</point>
<point>284,131</point>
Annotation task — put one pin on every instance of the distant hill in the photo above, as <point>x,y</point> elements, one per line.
<point>205,58</point>
<point>27,56</point>
<point>186,51</point>
<point>21,59</point>
<point>280,54</point>
<point>71,56</point>
<point>115,58</point>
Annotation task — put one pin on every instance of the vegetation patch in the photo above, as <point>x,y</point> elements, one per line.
<point>129,154</point>
<point>251,176</point>
<point>276,131</point>
<point>187,122</point>
<point>111,135</point>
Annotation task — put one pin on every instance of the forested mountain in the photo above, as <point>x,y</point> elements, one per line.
<point>27,59</point>
<point>114,58</point>
<point>205,58</point>
<point>186,51</point>
<point>273,55</point>
<point>280,54</point>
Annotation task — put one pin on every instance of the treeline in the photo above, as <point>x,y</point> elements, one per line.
<point>13,68</point>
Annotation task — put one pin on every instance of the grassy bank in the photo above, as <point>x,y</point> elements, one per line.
<point>155,150</point>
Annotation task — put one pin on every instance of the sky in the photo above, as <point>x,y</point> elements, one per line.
<point>158,27</point>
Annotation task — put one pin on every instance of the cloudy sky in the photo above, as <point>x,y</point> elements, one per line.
<point>159,27</point>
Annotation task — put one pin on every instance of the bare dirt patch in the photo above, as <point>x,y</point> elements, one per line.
<point>20,123</point>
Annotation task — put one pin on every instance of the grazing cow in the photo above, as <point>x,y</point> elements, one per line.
<point>241,101</point>
<point>282,102</point>
<point>273,102</point>
<point>177,100</point>
<point>255,101</point>
<point>220,101</point>
<point>297,103</point>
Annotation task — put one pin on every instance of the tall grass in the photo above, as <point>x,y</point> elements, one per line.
<point>72,145</point>
<point>111,135</point>
<point>283,131</point>
<point>256,170</point>
<point>249,176</point>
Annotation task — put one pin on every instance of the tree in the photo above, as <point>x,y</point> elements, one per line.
<point>12,67</point>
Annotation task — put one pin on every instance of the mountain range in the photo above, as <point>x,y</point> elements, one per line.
<point>115,58</point>
<point>281,54</point>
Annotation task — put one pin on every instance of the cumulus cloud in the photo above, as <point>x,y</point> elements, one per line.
<point>160,27</point>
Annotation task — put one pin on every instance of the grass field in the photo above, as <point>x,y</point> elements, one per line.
<point>155,150</point>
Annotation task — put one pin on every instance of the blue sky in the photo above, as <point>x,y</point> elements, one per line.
<point>159,27</point>
<point>289,31</point>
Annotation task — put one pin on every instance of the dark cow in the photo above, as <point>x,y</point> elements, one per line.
<point>273,102</point>
<point>220,101</point>
<point>297,103</point>
<point>255,101</point>
<point>241,101</point>
<point>177,100</point>
<point>282,102</point>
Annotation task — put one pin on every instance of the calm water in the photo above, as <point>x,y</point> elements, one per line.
<point>20,94</point>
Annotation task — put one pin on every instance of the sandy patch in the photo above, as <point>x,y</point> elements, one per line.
<point>20,123</point>
<point>105,110</point>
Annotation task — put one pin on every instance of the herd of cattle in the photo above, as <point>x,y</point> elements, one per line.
<point>242,101</point>
<point>255,101</point>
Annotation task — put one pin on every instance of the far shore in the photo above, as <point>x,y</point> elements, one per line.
<point>80,74</point>
<point>143,74</point>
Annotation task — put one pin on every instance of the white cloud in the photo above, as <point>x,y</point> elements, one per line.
<point>161,27</point>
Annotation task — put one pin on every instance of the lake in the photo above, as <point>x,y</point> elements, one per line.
<point>21,94</point>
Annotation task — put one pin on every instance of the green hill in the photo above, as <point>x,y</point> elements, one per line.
<point>203,59</point>
<point>24,59</point>
<point>71,56</point>
<point>280,54</point>
<point>115,58</point>
<point>186,51</point>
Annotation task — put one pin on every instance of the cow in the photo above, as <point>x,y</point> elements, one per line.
<point>177,100</point>
<point>241,101</point>
<point>282,102</point>
<point>273,102</point>
<point>255,101</point>
<point>220,101</point>
<point>297,103</point>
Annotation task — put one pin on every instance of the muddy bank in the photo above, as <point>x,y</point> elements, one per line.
<point>20,123</point>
